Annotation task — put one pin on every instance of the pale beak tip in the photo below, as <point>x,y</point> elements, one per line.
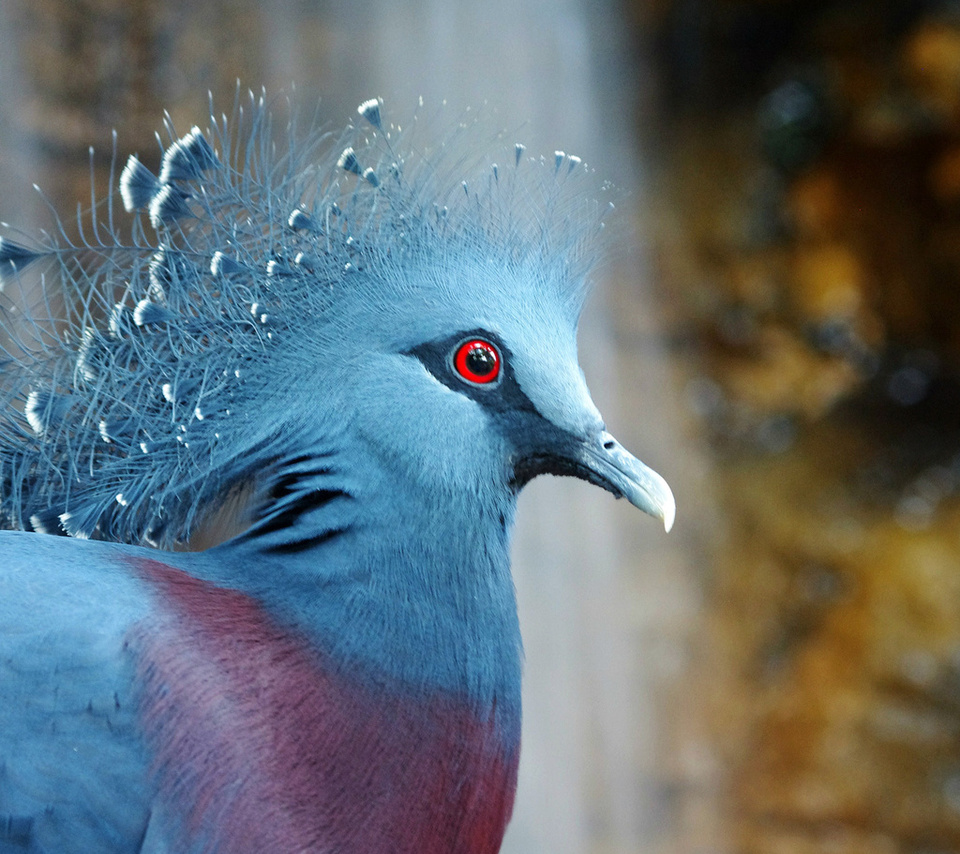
<point>659,500</point>
<point>669,512</point>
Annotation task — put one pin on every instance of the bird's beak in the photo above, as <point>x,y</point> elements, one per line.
<point>608,464</point>
<point>597,458</point>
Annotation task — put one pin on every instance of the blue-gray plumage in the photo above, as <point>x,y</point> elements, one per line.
<point>361,348</point>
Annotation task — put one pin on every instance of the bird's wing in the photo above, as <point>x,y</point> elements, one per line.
<point>73,772</point>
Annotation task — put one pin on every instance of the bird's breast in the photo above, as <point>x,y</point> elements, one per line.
<point>262,743</point>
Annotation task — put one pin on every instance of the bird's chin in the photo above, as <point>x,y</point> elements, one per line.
<point>529,467</point>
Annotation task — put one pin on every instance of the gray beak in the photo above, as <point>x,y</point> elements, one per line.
<point>613,467</point>
<point>544,448</point>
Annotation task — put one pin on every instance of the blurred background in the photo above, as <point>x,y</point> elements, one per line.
<point>777,332</point>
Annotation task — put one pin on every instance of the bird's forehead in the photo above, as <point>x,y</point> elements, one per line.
<point>525,304</point>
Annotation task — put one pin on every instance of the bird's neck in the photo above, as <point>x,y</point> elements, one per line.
<point>292,751</point>
<point>371,639</point>
<point>401,591</point>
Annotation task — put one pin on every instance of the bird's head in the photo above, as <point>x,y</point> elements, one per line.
<point>470,382</point>
<point>381,296</point>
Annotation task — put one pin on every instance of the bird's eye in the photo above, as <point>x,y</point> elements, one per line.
<point>477,361</point>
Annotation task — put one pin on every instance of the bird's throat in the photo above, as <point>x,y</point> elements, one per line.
<point>419,594</point>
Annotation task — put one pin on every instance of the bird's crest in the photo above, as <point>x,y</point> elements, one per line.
<point>131,411</point>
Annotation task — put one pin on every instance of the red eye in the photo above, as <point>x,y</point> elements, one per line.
<point>477,361</point>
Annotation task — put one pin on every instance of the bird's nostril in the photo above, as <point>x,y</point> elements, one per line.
<point>609,445</point>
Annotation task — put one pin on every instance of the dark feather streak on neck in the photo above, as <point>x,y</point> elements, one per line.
<point>298,487</point>
<point>306,544</point>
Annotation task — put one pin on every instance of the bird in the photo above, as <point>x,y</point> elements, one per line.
<point>356,348</point>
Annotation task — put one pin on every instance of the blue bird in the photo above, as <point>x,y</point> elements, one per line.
<point>358,349</point>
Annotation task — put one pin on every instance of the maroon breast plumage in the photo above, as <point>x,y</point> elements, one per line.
<point>265,744</point>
